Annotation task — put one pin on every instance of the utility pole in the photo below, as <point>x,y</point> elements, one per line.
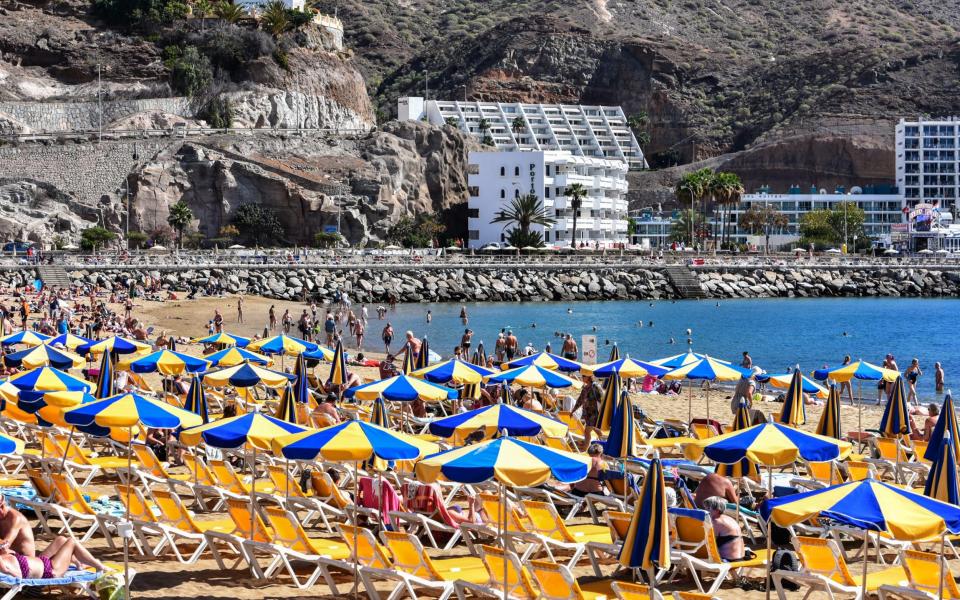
<point>99,102</point>
<point>426,85</point>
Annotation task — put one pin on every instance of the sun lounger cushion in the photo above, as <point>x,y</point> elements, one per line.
<point>71,577</point>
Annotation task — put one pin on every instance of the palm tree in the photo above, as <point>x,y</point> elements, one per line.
<point>523,212</point>
<point>692,188</point>
<point>274,18</point>
<point>230,12</point>
<point>518,124</point>
<point>202,9</point>
<point>576,192</point>
<point>179,218</point>
<point>729,190</point>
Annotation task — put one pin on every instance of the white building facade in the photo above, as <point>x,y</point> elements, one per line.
<point>496,178</point>
<point>589,131</point>
<point>928,161</point>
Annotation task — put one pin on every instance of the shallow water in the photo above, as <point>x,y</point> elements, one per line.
<point>777,332</point>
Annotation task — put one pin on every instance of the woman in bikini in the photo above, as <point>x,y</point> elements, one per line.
<point>60,555</point>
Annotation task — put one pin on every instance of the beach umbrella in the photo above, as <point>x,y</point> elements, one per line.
<point>69,341</point>
<point>321,354</point>
<point>423,357</point>
<point>647,542</point>
<point>535,376</point>
<point>196,400</point>
<point>769,444</point>
<point>245,375</point>
<point>287,408</point>
<point>252,428</point>
<point>453,371</point>
<point>25,337</point>
<point>544,360</point>
<point>10,445</point>
<point>409,360</point>
<point>620,440</point>
<point>42,356</point>
<point>282,344</point>
<point>829,424</point>
<point>338,367</point>
<point>625,368</point>
<point>116,345</point>
<point>225,340</point>
<point>744,467</point>
<point>164,362</point>
<point>608,403</point>
<point>496,418</point>
<point>301,386</point>
<point>106,383</point>
<point>794,412</point>
<point>129,411</point>
<point>401,388</point>
<point>895,421</point>
<point>615,353</point>
<point>942,483</point>
<point>704,369</point>
<point>379,415</point>
<point>231,357</point>
<point>48,379</point>
<point>783,380</point>
<point>861,371</point>
<point>946,424</point>
<point>680,360</point>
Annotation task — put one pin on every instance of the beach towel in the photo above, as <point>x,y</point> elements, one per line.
<point>425,499</point>
<point>383,500</point>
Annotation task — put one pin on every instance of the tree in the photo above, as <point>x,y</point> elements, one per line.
<point>518,125</point>
<point>136,239</point>
<point>576,192</point>
<point>179,218</point>
<point>727,190</point>
<point>229,232</point>
<point>847,219</point>
<point>190,72</point>
<point>416,233</point>
<point>826,227</point>
<point>522,239</point>
<point>202,10</point>
<point>322,239</point>
<point>258,224</point>
<point>686,225</point>
<point>523,212</point>
<point>93,238</point>
<point>643,138</point>
<point>230,12</point>
<point>638,121</point>
<point>691,189</point>
<point>275,18</point>
<point>452,121</point>
<point>763,219</point>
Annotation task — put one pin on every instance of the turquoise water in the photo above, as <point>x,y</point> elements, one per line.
<point>777,332</point>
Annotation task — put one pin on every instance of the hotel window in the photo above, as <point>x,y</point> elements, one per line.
<point>546,192</point>
<point>548,170</point>
<point>516,193</point>
<point>474,234</point>
<point>503,171</point>
<point>473,213</point>
<point>503,194</point>
<point>516,171</point>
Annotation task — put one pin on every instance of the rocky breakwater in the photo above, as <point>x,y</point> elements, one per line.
<point>822,282</point>
<point>408,285</point>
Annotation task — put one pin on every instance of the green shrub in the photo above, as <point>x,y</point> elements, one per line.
<point>140,14</point>
<point>259,225</point>
<point>93,238</point>
<point>218,113</point>
<point>190,72</point>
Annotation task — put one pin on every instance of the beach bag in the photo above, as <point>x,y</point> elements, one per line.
<point>109,586</point>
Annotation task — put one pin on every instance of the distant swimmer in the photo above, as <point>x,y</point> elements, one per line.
<point>844,334</point>
<point>594,327</point>
<point>673,341</point>
<point>689,341</point>
<point>718,305</point>
<point>533,325</point>
<point>651,304</point>
<point>650,324</point>
<point>689,332</point>
<point>639,323</point>
<point>569,311</point>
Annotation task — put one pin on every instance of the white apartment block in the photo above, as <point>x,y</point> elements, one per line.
<point>928,160</point>
<point>591,131</point>
<point>497,177</point>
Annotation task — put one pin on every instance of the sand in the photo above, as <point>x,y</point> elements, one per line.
<point>167,578</point>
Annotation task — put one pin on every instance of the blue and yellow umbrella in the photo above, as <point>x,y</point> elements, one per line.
<point>614,353</point>
<point>69,341</point>
<point>499,417</point>
<point>401,388</point>
<point>231,357</point>
<point>338,367</point>
<point>10,445</point>
<point>508,460</point>
<point>282,344</point>
<point>770,445</point>
<point>106,384</point>
<point>625,368</point>
<point>946,425</point>
<point>856,370</point>
<point>48,379</point>
<point>164,362</point>
<point>301,386</point>
<point>681,360</point>
<point>409,364</point>
<point>196,400</point>
<point>423,357</point>
<point>608,403</point>
<point>115,345</point>
<point>896,419</point>
<point>783,380</point>
<point>379,415</point>
<point>829,424</point>
<point>246,375</point>
<point>454,371</point>
<point>287,408</point>
<point>26,337</point>
<point>544,360</point>
<point>352,441</point>
<point>620,441</point>
<point>131,410</point>
<point>744,467</point>
<point>256,429</point>
<point>535,376</point>
<point>704,369</point>
<point>942,483</point>
<point>794,412</point>
<point>647,542</point>
<point>43,356</point>
<point>321,354</point>
<point>224,339</point>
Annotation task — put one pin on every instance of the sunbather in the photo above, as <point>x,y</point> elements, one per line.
<point>16,535</point>
<point>59,556</point>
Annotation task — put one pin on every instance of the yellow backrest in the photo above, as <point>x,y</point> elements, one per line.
<point>919,449</point>
<point>368,551</point>
<point>491,506</point>
<point>287,531</point>
<point>890,449</point>
<point>408,555</point>
<point>41,483</point>
<point>545,520</point>
<point>692,535</point>
<point>324,489</point>
<point>239,511</point>
<point>630,591</point>
<point>859,470</point>
<point>693,596</point>
<point>199,470</point>
<point>74,452</point>
<point>575,425</point>
<point>282,482</point>
<point>923,572</point>
<point>174,514</point>
<point>49,446</point>
<point>555,581</point>
<point>518,582</point>
<point>68,495</point>
<point>133,499</point>
<point>619,523</point>
<point>227,478</point>
<point>822,556</point>
<point>703,431</point>
<point>824,471</point>
<point>149,460</point>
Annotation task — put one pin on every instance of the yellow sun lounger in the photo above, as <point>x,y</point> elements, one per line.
<point>923,578</point>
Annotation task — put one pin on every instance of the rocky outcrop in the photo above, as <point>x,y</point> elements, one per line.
<point>39,212</point>
<point>822,282</point>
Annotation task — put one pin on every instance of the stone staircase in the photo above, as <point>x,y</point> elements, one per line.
<point>685,281</point>
<point>53,276</point>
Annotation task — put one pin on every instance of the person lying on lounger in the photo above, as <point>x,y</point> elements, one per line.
<point>16,535</point>
<point>60,555</point>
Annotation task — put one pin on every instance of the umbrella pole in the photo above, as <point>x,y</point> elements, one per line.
<point>769,526</point>
<point>356,525</point>
<point>689,402</point>
<point>943,566</point>
<point>860,414</point>
<point>866,552</point>
<point>708,401</point>
<point>126,539</point>
<point>66,450</point>
<point>253,489</point>
<point>503,542</point>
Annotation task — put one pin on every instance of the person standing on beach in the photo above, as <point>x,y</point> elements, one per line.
<point>217,321</point>
<point>589,401</point>
<point>510,345</point>
<point>846,385</point>
<point>387,337</point>
<point>287,321</point>
<point>883,385</point>
<point>938,376</point>
<point>303,325</point>
<point>570,350</point>
<point>747,362</point>
<point>358,333</point>
<point>913,373</point>
<point>239,309</point>
<point>330,328</point>
<point>272,313</point>
<point>499,346</point>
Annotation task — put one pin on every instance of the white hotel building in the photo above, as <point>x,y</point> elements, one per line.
<point>928,161</point>
<point>556,145</point>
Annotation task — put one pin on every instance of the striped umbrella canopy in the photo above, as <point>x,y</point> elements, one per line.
<point>770,445</point>
<point>379,415</point>
<point>43,356</point>
<point>165,362</point>
<point>231,357</point>
<point>409,360</point>
<point>535,376</point>
<point>401,388</point>
<point>301,387</point>
<point>116,345</point>
<point>508,460</point>
<point>282,344</point>
<point>10,445</point>
<point>783,380</point>
<point>620,441</point>
<point>608,402</point>
<point>706,368</point>
<point>829,424</point>
<point>423,357</point>
<point>869,504</point>
<point>615,353</point>
<point>499,417</point>
<point>287,408</point>
<point>680,360</point>
<point>48,409</point>
<point>647,543</point>
<point>453,371</point>
<point>26,337</point>
<point>130,410</point>
<point>351,441</point>
<point>794,412</point>
<point>856,370</point>
<point>69,341</point>
<point>544,360</point>
<point>106,383</point>
<point>251,428</point>
<point>946,425</point>
<point>896,418</point>
<point>224,339</point>
<point>625,368</point>
<point>942,483</point>
<point>338,367</point>
<point>246,375</point>
<point>196,400</point>
<point>744,467</point>
<point>321,354</point>
<point>48,379</point>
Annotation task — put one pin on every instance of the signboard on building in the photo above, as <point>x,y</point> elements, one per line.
<point>589,345</point>
<point>329,228</point>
